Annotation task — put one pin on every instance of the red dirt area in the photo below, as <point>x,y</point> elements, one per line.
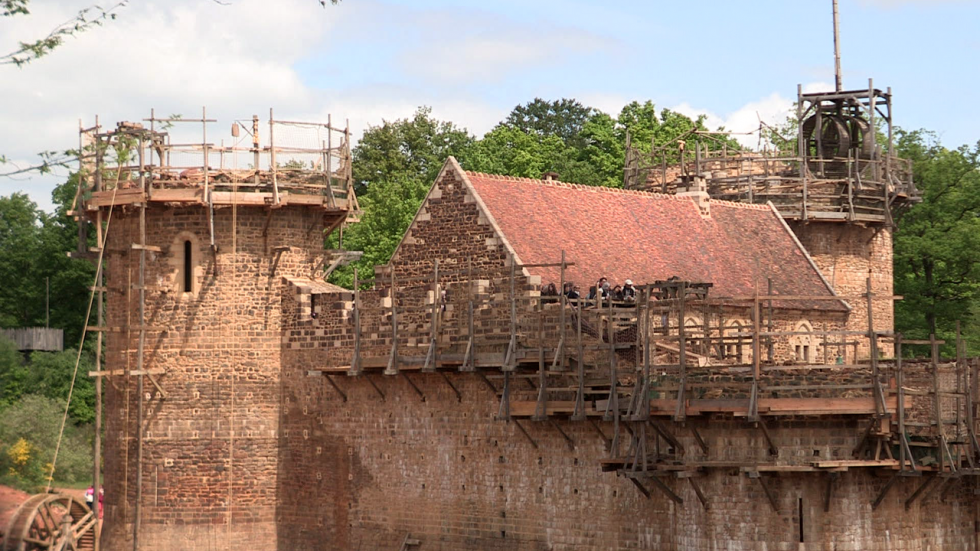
<point>10,499</point>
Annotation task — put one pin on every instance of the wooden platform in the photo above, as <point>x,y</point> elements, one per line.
<point>195,196</point>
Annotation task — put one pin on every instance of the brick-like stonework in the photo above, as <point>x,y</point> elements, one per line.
<point>211,446</point>
<point>848,255</point>
<point>250,450</point>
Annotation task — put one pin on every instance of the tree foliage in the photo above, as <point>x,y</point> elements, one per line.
<point>29,430</point>
<point>33,246</point>
<point>47,374</point>
<point>563,119</point>
<point>86,19</point>
<point>937,244</point>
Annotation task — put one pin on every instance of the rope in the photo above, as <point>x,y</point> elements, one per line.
<point>88,315</point>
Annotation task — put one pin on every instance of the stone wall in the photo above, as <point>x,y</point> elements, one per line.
<point>367,473</point>
<point>847,255</point>
<point>211,444</point>
<point>381,463</point>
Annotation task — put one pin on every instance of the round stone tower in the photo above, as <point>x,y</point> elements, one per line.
<point>837,188</point>
<point>195,256</point>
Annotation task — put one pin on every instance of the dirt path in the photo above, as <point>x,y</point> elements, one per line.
<point>10,499</point>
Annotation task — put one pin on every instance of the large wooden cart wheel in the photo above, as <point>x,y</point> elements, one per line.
<point>53,522</point>
<point>835,136</point>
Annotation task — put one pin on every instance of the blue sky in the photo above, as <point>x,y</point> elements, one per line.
<point>369,60</point>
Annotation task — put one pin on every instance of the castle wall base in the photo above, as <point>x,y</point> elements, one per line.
<point>366,473</point>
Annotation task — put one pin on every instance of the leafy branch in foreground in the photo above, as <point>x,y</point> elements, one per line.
<point>49,160</point>
<point>86,19</point>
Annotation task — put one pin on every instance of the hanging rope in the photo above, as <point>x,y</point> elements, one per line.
<point>81,344</point>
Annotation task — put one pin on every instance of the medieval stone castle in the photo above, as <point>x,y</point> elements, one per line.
<point>748,398</point>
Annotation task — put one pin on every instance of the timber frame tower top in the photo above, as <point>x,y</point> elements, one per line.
<point>170,162</point>
<point>834,169</point>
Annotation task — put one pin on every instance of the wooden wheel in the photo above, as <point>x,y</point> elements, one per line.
<point>835,137</point>
<point>53,522</point>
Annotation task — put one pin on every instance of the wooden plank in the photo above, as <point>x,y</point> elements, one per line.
<point>158,371</point>
<point>122,197</point>
<point>830,464</point>
<point>171,195</point>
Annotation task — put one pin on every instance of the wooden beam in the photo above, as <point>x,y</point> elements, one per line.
<point>678,447</point>
<point>884,491</point>
<point>376,389</point>
<point>831,478</point>
<point>639,486</point>
<point>918,491</point>
<point>163,394</point>
<point>700,441</point>
<point>412,384</point>
<point>666,490</point>
<point>698,492</point>
<point>521,428</point>
<point>568,439</point>
<point>333,384</point>
<point>773,450</point>
<point>459,396</point>
<point>765,489</point>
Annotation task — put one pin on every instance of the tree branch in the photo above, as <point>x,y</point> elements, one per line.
<point>86,19</point>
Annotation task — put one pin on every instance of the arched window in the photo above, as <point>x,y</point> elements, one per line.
<point>188,267</point>
<point>802,342</point>
<point>733,348</point>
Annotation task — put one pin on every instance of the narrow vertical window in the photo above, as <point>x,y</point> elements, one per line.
<point>800,502</point>
<point>188,267</point>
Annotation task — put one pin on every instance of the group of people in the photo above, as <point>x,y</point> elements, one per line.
<point>601,291</point>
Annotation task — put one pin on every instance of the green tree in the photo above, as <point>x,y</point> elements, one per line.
<point>50,375</point>
<point>36,421</point>
<point>32,252</point>
<point>563,118</point>
<point>412,148</point>
<point>515,152</point>
<point>13,373</point>
<point>937,243</point>
<point>47,374</point>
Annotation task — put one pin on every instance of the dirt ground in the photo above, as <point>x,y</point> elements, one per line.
<point>10,499</point>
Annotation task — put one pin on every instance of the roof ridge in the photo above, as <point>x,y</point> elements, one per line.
<point>569,185</point>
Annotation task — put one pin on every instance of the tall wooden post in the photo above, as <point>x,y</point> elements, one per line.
<point>393,356</point>
<point>356,360</point>
<point>97,440</point>
<point>934,361</point>
<point>756,348</point>
<point>900,382</point>
<point>873,343</point>
<point>770,345</point>
<point>562,302</point>
<point>681,412</point>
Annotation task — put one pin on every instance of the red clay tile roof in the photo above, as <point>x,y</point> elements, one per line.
<point>646,236</point>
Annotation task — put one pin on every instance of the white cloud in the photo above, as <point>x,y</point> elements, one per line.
<point>491,56</point>
<point>744,121</point>
<point>240,59</point>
